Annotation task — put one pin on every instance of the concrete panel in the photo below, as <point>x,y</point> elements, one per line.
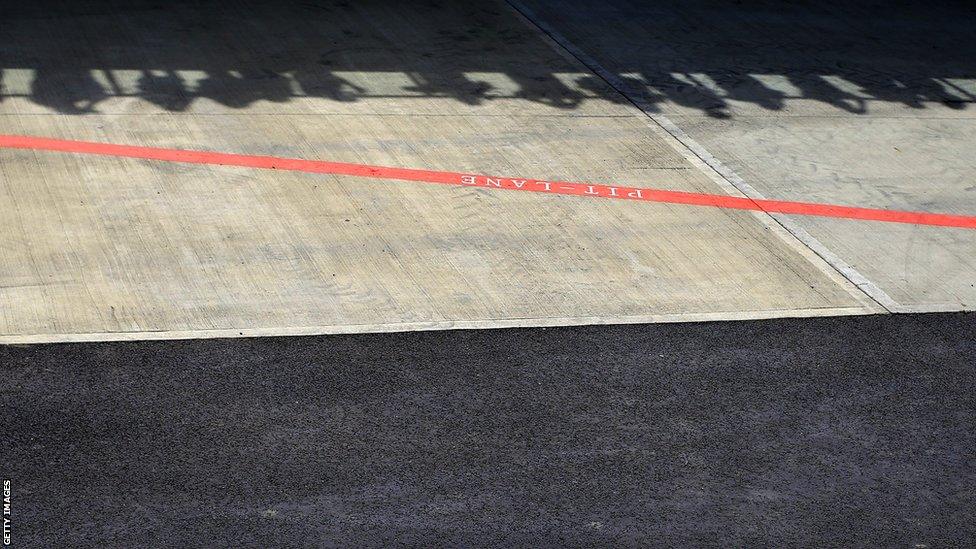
<point>96,247</point>
<point>854,103</point>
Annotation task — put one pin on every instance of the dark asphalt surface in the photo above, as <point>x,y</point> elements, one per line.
<point>856,431</point>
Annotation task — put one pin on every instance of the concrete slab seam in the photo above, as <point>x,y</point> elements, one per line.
<point>733,182</point>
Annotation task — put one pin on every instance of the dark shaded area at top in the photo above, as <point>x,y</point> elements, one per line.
<point>895,52</point>
<point>275,51</point>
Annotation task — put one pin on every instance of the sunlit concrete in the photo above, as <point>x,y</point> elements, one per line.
<point>106,248</point>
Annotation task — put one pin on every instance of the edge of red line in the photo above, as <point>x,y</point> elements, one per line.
<point>592,190</point>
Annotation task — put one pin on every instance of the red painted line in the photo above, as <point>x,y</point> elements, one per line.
<point>473,180</point>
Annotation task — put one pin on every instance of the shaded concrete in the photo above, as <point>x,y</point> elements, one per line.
<point>859,103</point>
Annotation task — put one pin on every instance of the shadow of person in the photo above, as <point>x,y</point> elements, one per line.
<point>454,85</point>
<point>168,91</point>
<point>630,86</point>
<point>960,98</point>
<point>738,87</point>
<point>814,87</point>
<point>913,92</point>
<point>323,83</point>
<point>68,91</point>
<point>691,94</point>
<point>748,89</point>
<point>954,102</point>
<point>547,90</point>
<point>240,90</point>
